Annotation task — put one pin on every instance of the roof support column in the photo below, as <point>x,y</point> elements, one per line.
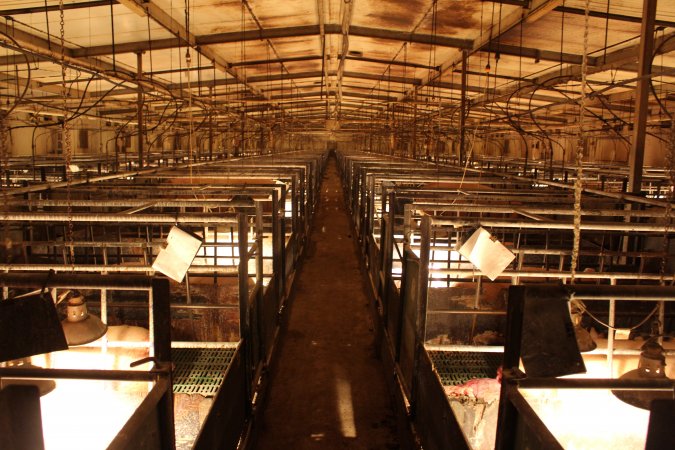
<point>462,109</point>
<point>139,106</point>
<point>642,96</point>
<point>211,125</point>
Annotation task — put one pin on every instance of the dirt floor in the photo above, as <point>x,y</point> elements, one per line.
<point>328,390</point>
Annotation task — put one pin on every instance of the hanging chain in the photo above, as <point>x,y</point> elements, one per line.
<point>579,156</point>
<point>188,64</point>
<point>4,155</point>
<point>670,196</point>
<point>65,138</point>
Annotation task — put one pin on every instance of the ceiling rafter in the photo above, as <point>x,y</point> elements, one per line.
<point>235,37</point>
<point>180,31</point>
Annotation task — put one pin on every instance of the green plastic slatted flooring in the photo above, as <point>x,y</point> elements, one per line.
<point>200,370</point>
<point>457,368</point>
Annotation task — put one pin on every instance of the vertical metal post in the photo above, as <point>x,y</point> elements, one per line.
<point>161,336</point>
<point>211,127</point>
<point>276,247</point>
<point>507,420</point>
<point>414,130</point>
<point>139,106</point>
<point>462,108</point>
<point>244,309</point>
<point>610,333</point>
<point>422,290</point>
<point>259,267</point>
<point>642,96</point>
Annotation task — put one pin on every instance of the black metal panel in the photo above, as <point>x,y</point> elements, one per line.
<point>661,419</point>
<point>373,258</point>
<point>269,316</point>
<point>434,419</point>
<point>408,330</point>
<point>20,420</point>
<point>145,429</point>
<point>291,255</point>
<point>227,417</point>
<point>29,326</point>
<point>393,309</point>
<point>548,344</point>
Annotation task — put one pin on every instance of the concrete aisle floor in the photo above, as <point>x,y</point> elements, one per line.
<point>328,390</point>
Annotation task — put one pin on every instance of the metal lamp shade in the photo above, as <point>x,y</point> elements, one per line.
<point>79,326</point>
<point>44,386</point>
<point>651,366</point>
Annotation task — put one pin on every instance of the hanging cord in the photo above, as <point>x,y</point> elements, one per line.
<point>579,157</point>
<point>188,61</point>
<point>582,308</point>
<point>112,32</point>
<point>65,129</point>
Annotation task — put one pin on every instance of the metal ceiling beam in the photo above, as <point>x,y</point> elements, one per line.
<point>271,33</point>
<point>261,62</point>
<point>52,51</point>
<point>165,20</point>
<point>645,55</point>
<point>523,3</point>
<point>50,8</point>
<point>345,94</point>
<point>376,77</point>
<point>299,75</point>
<point>612,16</point>
<point>536,54</point>
<point>507,23</point>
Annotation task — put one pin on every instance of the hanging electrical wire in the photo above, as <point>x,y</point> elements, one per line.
<point>65,140</point>
<point>579,155</point>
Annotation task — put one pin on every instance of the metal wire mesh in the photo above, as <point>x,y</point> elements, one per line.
<point>200,370</point>
<point>455,368</point>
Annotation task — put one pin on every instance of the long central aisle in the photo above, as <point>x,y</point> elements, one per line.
<point>328,390</point>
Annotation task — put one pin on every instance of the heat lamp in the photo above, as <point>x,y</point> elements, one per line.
<point>651,366</point>
<point>79,326</point>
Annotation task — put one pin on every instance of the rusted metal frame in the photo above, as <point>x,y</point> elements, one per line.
<point>52,8</point>
<point>665,384</point>
<point>421,322</point>
<point>81,374</point>
<point>81,281</point>
<point>645,56</point>
<point>90,268</point>
<point>435,421</point>
<point>278,247</point>
<point>462,109</point>
<point>140,99</point>
<point>564,186</point>
<point>116,218</point>
<point>589,226</point>
<point>244,308</point>
<point>136,426</point>
<point>524,412</point>
<point>386,243</point>
<point>283,199</point>
<point>295,205</point>
<point>535,210</point>
<point>225,423</point>
<point>259,236</point>
<point>611,16</point>
<point>471,273</point>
